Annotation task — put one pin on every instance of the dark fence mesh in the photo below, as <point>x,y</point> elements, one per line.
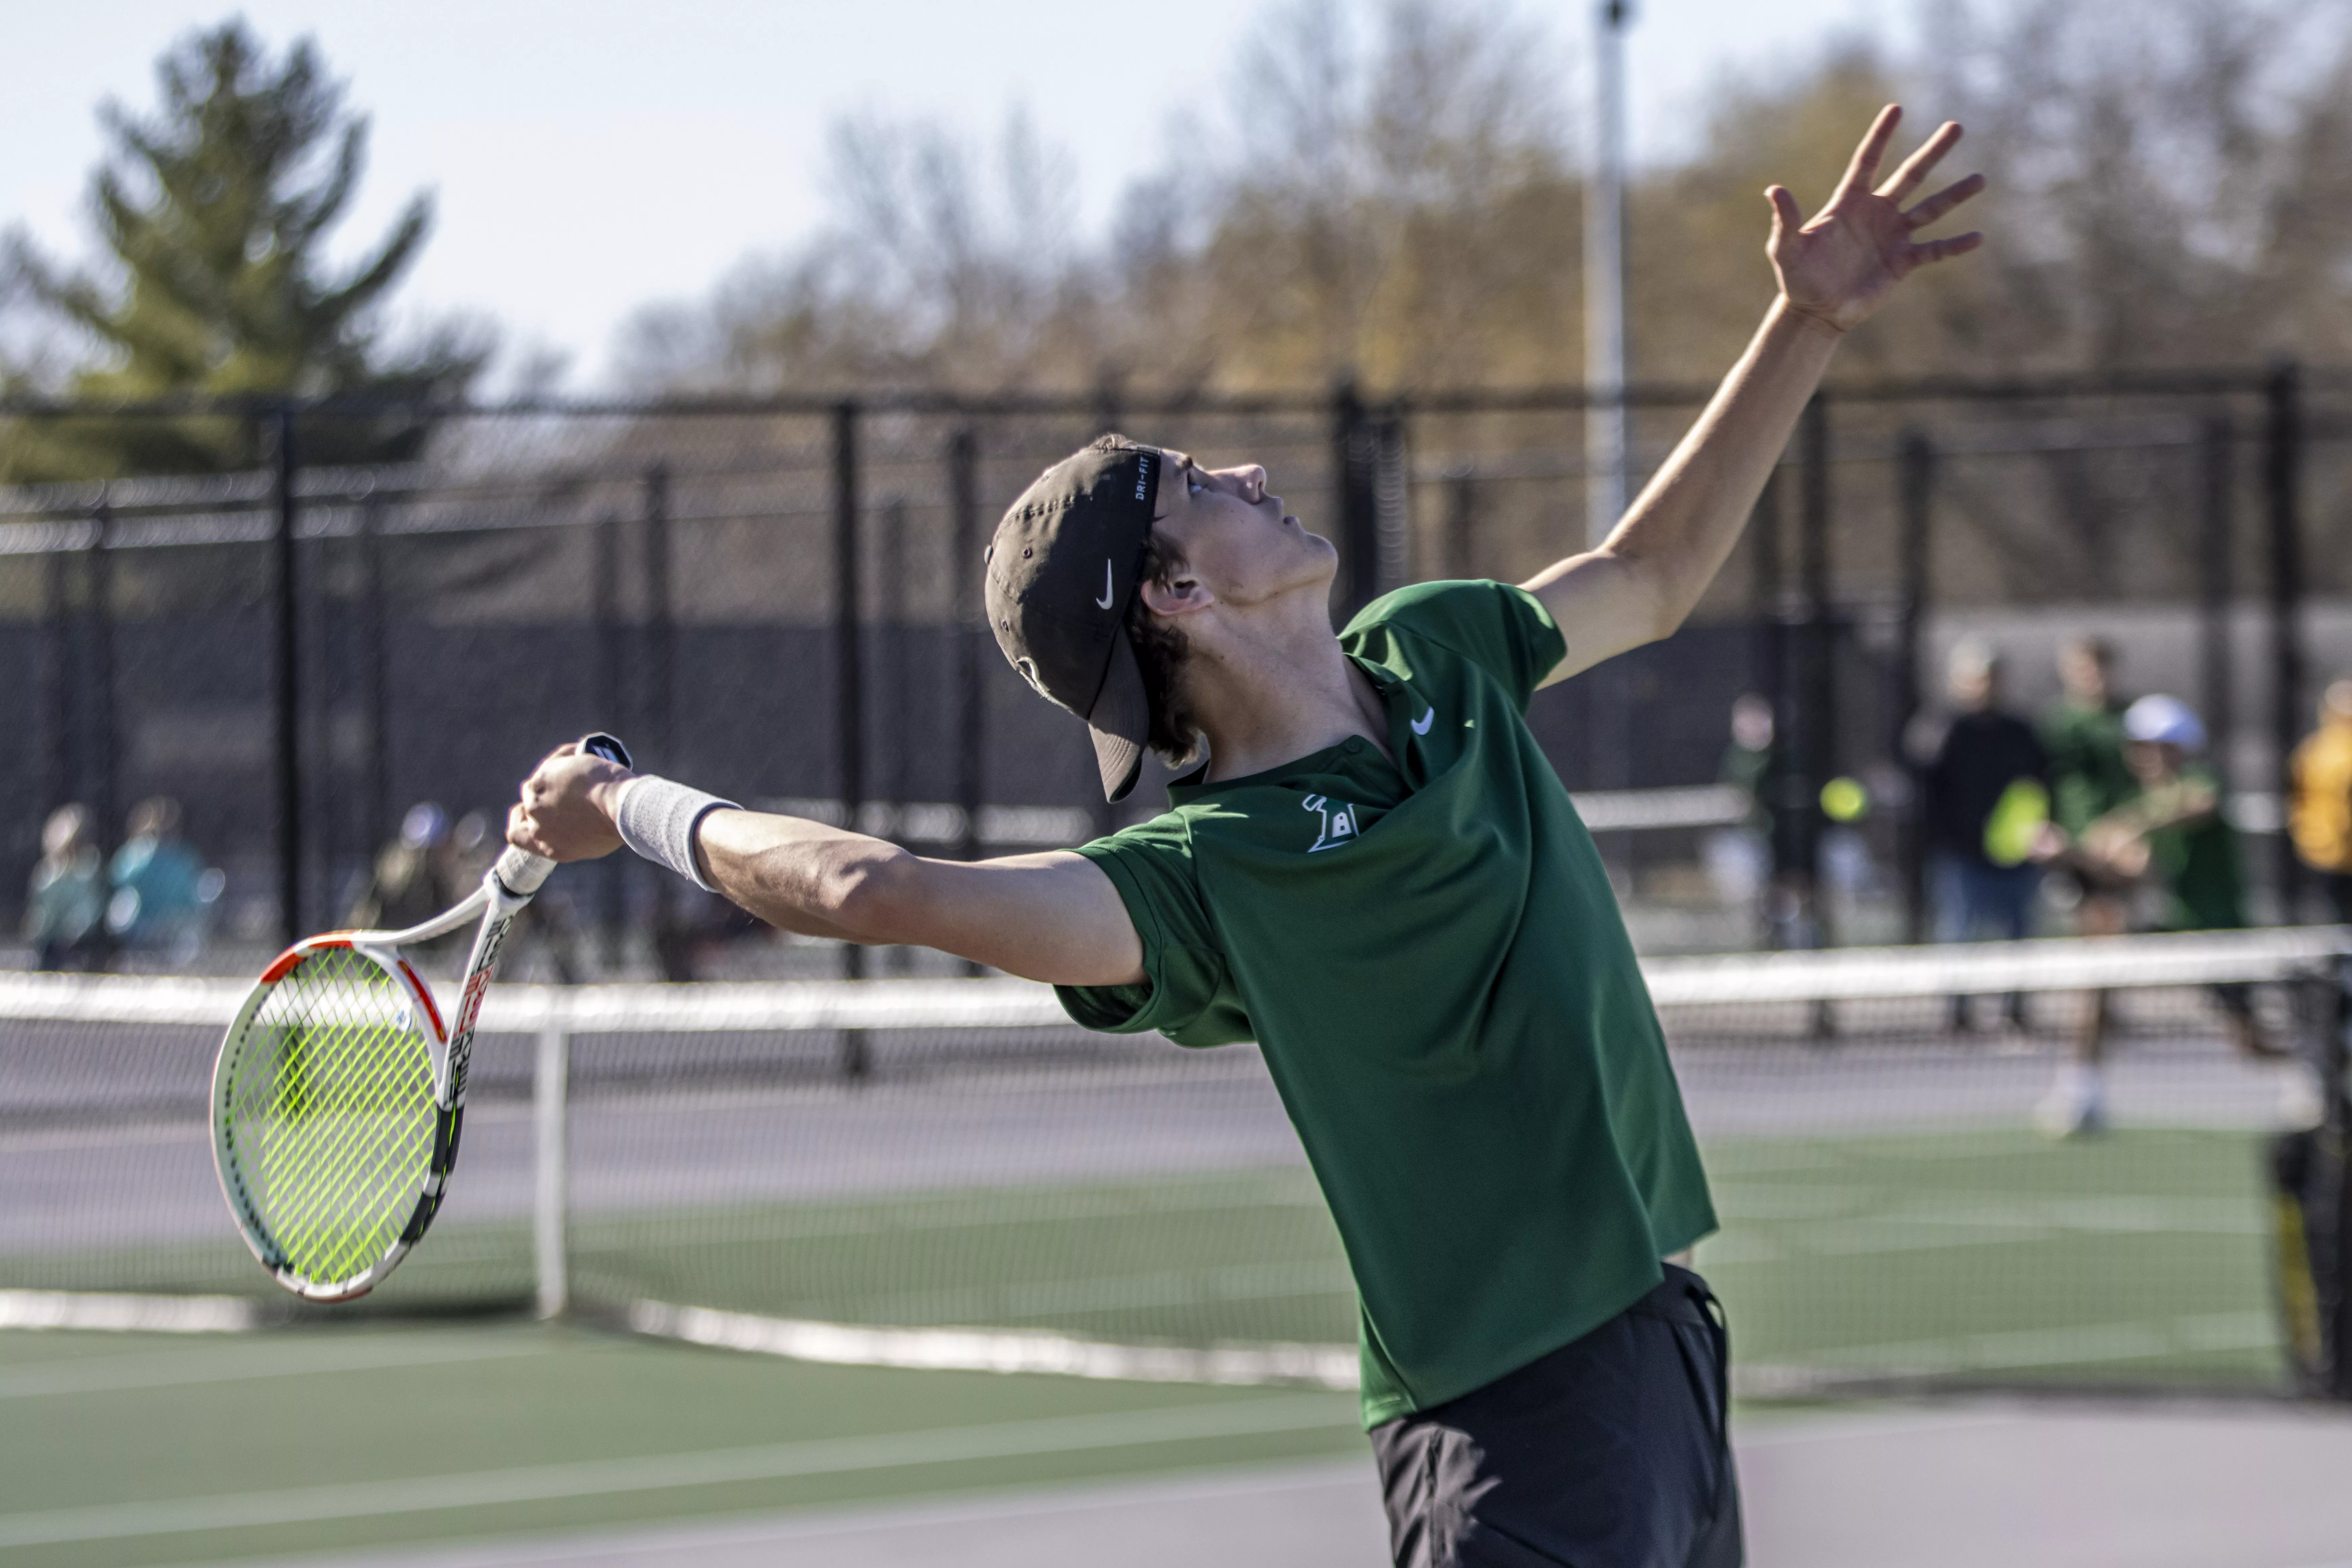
<point>686,578</point>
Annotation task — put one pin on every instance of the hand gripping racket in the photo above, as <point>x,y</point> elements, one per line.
<point>338,1094</point>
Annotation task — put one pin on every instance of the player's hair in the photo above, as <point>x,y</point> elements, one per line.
<point>2098,649</point>
<point>1160,651</point>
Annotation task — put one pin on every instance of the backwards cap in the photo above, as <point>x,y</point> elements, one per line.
<point>1061,571</point>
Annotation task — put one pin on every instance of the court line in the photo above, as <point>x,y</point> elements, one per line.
<point>683,1539</point>
<point>662,1472</point>
<point>237,1364</point>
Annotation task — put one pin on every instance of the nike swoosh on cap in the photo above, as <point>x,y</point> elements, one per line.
<point>1104,603</point>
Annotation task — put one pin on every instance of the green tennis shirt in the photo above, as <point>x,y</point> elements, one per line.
<point>1429,956</point>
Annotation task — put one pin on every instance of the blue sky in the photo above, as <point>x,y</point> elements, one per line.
<point>596,156</point>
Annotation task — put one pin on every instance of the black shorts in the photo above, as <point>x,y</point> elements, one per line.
<point>1610,1452</point>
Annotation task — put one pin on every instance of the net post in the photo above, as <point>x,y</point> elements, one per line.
<point>551,1118</point>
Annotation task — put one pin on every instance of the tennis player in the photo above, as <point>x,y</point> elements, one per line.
<point>1377,875</point>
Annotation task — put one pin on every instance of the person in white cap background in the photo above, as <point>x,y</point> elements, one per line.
<point>2172,842</point>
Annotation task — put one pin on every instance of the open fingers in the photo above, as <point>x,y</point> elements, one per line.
<point>1921,163</point>
<point>1944,201</point>
<point>1945,249</point>
<point>1872,151</point>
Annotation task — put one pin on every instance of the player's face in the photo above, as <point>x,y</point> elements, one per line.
<point>1236,537</point>
<point>2153,762</point>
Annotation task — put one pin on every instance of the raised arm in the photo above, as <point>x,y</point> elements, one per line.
<point>1052,917</point>
<point>1834,271</point>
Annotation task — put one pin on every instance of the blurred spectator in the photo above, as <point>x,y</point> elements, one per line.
<point>1740,859</point>
<point>545,927</point>
<point>2174,842</point>
<point>1984,800</point>
<point>416,878</point>
<point>2084,733</point>
<point>2320,803</point>
<point>161,888</point>
<point>64,908</point>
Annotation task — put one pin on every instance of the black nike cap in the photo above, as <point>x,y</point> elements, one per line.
<point>1061,574</point>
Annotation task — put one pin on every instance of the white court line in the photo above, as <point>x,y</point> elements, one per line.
<point>999,1349</point>
<point>662,1472</point>
<point>683,1539</point>
<point>173,1369</point>
<point>128,1314</point>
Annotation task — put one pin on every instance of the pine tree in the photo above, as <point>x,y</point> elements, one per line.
<point>215,214</point>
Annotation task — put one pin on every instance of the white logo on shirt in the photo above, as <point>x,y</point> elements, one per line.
<point>1421,725</point>
<point>1338,822</point>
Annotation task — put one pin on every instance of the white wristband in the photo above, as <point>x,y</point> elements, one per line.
<point>657,818</point>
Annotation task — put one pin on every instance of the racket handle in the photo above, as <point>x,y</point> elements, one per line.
<point>520,872</point>
<point>608,747</point>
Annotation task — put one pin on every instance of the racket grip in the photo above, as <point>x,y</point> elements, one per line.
<point>520,872</point>
<point>608,747</point>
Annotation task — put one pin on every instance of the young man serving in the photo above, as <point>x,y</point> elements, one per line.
<point>1377,877</point>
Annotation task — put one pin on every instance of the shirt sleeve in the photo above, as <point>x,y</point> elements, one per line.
<point>1504,630</point>
<point>1185,993</point>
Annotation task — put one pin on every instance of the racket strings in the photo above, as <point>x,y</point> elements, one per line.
<point>336,1108</point>
<point>343,1162</point>
<point>355,1149</point>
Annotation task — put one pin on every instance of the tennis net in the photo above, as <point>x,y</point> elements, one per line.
<point>947,1173</point>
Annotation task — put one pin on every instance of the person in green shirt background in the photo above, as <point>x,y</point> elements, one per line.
<point>2083,734</point>
<point>2172,841</point>
<point>1373,871</point>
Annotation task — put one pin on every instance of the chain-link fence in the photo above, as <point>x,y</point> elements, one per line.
<point>778,600</point>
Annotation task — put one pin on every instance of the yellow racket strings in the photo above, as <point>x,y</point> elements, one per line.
<point>332,1113</point>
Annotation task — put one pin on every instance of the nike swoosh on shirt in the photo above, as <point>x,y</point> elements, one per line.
<point>1104,603</point>
<point>1421,725</point>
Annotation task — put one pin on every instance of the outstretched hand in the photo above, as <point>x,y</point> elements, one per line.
<point>1842,266</point>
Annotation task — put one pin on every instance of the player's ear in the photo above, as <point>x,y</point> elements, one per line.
<point>1181,594</point>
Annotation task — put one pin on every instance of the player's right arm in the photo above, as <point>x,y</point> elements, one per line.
<point>1054,917</point>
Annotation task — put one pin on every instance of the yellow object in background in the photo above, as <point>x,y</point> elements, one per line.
<point>2016,823</point>
<point>1844,800</point>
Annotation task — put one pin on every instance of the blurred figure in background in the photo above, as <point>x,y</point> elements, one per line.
<point>1985,798</point>
<point>546,927</point>
<point>415,876</point>
<point>2172,842</point>
<point>2320,803</point>
<point>65,906</point>
<point>1740,859</point>
<point>161,888</point>
<point>2083,731</point>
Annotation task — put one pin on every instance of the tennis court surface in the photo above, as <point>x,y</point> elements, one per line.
<point>897,1184</point>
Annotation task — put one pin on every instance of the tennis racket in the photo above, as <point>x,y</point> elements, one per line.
<point>338,1093</point>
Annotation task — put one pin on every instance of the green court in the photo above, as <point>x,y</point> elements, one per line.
<point>1990,1253</point>
<point>150,1449</point>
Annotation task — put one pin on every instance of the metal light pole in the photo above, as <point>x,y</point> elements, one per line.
<point>1605,440</point>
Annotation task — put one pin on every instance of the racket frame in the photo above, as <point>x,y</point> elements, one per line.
<point>507,887</point>
<point>229,1168</point>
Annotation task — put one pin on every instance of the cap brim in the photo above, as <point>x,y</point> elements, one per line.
<point>1120,721</point>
